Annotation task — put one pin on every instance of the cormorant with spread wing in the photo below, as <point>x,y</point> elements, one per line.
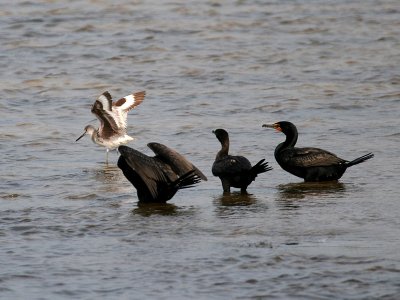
<point>158,178</point>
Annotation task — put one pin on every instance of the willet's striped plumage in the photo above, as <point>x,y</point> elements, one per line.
<point>113,120</point>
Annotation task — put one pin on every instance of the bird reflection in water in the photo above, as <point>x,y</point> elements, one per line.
<point>108,175</point>
<point>101,182</point>
<point>236,199</point>
<point>290,194</point>
<point>149,209</point>
<point>236,204</point>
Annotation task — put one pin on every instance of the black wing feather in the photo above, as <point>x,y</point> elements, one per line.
<point>146,167</point>
<point>231,165</point>
<point>179,164</point>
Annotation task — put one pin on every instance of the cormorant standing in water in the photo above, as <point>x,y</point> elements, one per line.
<point>157,178</point>
<point>311,164</point>
<point>234,171</point>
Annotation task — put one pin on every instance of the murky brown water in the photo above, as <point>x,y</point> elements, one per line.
<point>70,226</point>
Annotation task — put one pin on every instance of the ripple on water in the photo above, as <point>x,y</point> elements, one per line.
<point>71,227</point>
<point>88,196</point>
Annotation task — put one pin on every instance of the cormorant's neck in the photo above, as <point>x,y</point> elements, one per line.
<point>291,140</point>
<point>224,149</point>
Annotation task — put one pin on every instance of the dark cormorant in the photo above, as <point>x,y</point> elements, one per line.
<point>234,171</point>
<point>311,164</point>
<point>157,178</point>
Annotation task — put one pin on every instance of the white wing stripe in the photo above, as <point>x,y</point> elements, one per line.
<point>104,101</point>
<point>129,101</point>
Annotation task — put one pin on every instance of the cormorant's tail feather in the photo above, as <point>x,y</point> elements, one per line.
<point>187,180</point>
<point>260,167</point>
<point>360,159</point>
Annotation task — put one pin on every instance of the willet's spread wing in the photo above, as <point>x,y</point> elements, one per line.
<point>102,109</point>
<point>129,102</point>
<point>113,115</point>
<point>178,163</point>
<point>121,107</point>
<point>106,100</point>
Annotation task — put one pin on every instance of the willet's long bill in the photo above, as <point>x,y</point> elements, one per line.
<point>113,120</point>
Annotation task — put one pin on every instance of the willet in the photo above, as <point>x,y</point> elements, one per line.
<point>113,120</point>
<point>158,178</point>
<point>235,171</point>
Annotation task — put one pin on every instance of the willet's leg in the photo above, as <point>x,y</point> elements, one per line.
<point>107,156</point>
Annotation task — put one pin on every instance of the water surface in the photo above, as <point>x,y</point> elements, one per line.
<point>70,226</point>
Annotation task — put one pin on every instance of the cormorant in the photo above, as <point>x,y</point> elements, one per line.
<point>234,171</point>
<point>157,178</point>
<point>311,164</point>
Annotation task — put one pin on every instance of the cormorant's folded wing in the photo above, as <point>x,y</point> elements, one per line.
<point>231,165</point>
<point>311,157</point>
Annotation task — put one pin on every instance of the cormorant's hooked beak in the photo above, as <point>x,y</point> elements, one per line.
<point>274,126</point>
<point>268,125</point>
<point>213,131</point>
<point>80,136</point>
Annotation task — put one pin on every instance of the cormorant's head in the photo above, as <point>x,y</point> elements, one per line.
<point>221,134</point>
<point>282,126</point>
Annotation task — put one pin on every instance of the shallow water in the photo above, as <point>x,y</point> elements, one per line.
<point>70,226</point>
